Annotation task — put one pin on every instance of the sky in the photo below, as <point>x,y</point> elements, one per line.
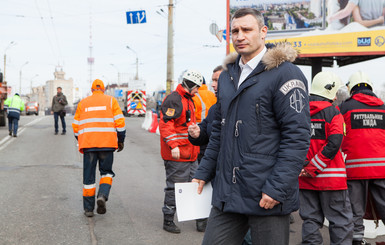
<point>54,33</point>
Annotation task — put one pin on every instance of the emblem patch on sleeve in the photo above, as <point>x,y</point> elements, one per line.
<point>170,112</point>
<point>297,101</point>
<point>291,84</point>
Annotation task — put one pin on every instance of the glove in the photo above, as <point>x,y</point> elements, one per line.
<point>120,147</point>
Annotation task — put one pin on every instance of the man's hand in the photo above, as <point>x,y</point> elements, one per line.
<point>201,184</point>
<point>304,174</point>
<point>267,202</point>
<point>175,153</point>
<point>120,147</point>
<point>194,130</point>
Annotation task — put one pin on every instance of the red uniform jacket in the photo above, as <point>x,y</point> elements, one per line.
<point>177,113</point>
<point>364,143</point>
<point>325,161</point>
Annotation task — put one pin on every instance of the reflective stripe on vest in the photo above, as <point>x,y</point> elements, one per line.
<point>88,130</point>
<point>95,120</point>
<point>203,110</point>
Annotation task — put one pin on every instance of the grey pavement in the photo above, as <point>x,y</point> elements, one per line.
<point>41,191</point>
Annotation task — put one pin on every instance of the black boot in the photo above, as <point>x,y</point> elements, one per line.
<point>201,225</point>
<point>170,226</point>
<point>10,133</point>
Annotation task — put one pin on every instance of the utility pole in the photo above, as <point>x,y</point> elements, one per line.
<point>170,48</point>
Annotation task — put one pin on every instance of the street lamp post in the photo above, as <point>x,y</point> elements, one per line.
<point>118,74</point>
<point>20,76</point>
<point>5,57</point>
<point>137,62</point>
<point>31,82</point>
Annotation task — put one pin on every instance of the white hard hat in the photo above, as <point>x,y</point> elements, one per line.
<point>326,84</point>
<point>358,78</point>
<point>193,76</point>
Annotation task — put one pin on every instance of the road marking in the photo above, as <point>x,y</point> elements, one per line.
<point>8,139</point>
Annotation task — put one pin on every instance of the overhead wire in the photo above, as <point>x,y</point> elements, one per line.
<point>45,30</point>
<point>54,30</point>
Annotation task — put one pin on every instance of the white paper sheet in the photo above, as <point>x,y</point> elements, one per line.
<point>189,204</point>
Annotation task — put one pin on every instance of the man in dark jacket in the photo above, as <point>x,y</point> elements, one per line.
<point>59,102</point>
<point>259,140</point>
<point>364,145</point>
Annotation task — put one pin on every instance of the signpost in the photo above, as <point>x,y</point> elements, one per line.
<point>136,17</point>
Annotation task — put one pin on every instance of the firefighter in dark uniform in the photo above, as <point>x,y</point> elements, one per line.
<point>322,182</point>
<point>179,155</point>
<point>364,146</point>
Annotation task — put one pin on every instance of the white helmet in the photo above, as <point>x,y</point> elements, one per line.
<point>326,84</point>
<point>357,78</point>
<point>193,76</point>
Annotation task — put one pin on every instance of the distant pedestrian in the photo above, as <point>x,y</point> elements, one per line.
<point>322,182</point>
<point>14,106</point>
<point>59,102</point>
<point>259,139</point>
<point>364,145</point>
<point>179,155</point>
<point>100,129</point>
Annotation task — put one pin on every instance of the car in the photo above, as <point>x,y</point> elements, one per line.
<point>32,107</point>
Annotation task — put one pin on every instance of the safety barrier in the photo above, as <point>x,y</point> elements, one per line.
<point>154,123</point>
<point>147,121</point>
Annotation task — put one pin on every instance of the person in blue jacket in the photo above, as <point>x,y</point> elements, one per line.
<point>259,140</point>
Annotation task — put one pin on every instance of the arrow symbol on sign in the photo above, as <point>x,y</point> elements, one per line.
<point>131,18</point>
<point>141,19</point>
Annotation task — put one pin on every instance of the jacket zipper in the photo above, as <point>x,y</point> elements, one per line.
<point>234,174</point>
<point>236,128</point>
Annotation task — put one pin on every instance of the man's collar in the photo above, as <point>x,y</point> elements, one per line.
<point>254,61</point>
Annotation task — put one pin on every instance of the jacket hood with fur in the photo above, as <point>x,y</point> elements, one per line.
<point>274,56</point>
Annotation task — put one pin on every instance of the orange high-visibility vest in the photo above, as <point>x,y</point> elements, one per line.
<point>97,120</point>
<point>203,100</point>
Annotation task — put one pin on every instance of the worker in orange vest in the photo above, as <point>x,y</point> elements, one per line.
<point>203,100</point>
<point>100,129</point>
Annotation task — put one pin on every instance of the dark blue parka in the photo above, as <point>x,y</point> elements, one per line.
<point>260,135</point>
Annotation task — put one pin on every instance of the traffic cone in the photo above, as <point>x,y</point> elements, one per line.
<point>154,123</point>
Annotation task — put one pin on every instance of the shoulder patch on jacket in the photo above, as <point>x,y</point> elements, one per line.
<point>172,106</point>
<point>291,84</point>
<point>170,112</point>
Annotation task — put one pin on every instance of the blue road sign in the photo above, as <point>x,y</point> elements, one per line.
<point>136,17</point>
<point>118,93</point>
<point>133,105</point>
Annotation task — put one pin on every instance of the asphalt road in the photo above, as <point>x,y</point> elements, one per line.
<point>41,191</point>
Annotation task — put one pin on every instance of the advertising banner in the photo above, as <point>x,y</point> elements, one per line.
<point>321,28</point>
<point>371,42</point>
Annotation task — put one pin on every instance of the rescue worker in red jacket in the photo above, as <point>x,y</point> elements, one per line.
<point>322,182</point>
<point>179,155</point>
<point>364,146</point>
<point>100,129</point>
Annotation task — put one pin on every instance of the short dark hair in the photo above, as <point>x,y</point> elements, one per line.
<point>249,11</point>
<point>59,87</point>
<point>218,68</point>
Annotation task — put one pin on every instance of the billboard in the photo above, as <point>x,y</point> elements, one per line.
<point>321,28</point>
